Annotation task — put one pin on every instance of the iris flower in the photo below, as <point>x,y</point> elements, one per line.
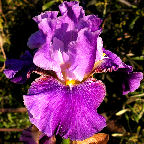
<point>71,47</point>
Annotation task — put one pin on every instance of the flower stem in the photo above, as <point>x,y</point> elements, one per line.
<point>65,141</point>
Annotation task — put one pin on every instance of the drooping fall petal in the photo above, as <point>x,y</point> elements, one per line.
<point>112,62</point>
<point>131,81</point>
<point>68,111</point>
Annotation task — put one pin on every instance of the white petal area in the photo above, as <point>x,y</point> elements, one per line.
<point>99,52</point>
<point>57,49</point>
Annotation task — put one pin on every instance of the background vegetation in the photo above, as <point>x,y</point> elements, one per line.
<point>123,33</point>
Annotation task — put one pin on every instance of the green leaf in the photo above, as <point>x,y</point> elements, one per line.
<point>2,59</point>
<point>138,58</point>
<point>10,117</point>
<point>133,22</point>
<point>65,141</point>
<point>48,5</point>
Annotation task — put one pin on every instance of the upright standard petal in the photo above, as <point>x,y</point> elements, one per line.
<point>45,15</point>
<point>42,57</point>
<point>65,46</point>
<point>71,13</point>
<point>46,23</point>
<point>17,70</point>
<point>90,21</point>
<point>83,54</point>
<point>68,111</point>
<point>46,59</point>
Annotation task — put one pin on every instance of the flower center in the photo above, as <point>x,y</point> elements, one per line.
<point>70,82</point>
<point>104,54</point>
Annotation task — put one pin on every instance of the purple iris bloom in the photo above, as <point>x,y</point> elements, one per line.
<point>70,45</point>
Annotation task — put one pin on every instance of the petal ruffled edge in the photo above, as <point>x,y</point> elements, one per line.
<point>72,10</point>
<point>111,62</point>
<point>47,15</point>
<point>70,112</point>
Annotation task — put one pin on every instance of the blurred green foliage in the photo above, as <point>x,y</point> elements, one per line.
<point>123,33</point>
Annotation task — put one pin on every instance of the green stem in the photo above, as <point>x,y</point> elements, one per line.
<point>65,141</point>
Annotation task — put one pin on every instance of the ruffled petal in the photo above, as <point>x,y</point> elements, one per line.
<point>48,27</point>
<point>94,22</point>
<point>111,62</point>
<point>117,61</point>
<point>91,21</point>
<point>67,48</point>
<point>68,111</point>
<point>17,70</point>
<point>67,6</point>
<point>71,13</point>
<point>131,81</point>
<point>36,40</point>
<point>45,15</point>
<point>46,22</point>
<point>44,57</point>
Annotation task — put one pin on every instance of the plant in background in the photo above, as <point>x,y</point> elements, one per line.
<point>68,51</point>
